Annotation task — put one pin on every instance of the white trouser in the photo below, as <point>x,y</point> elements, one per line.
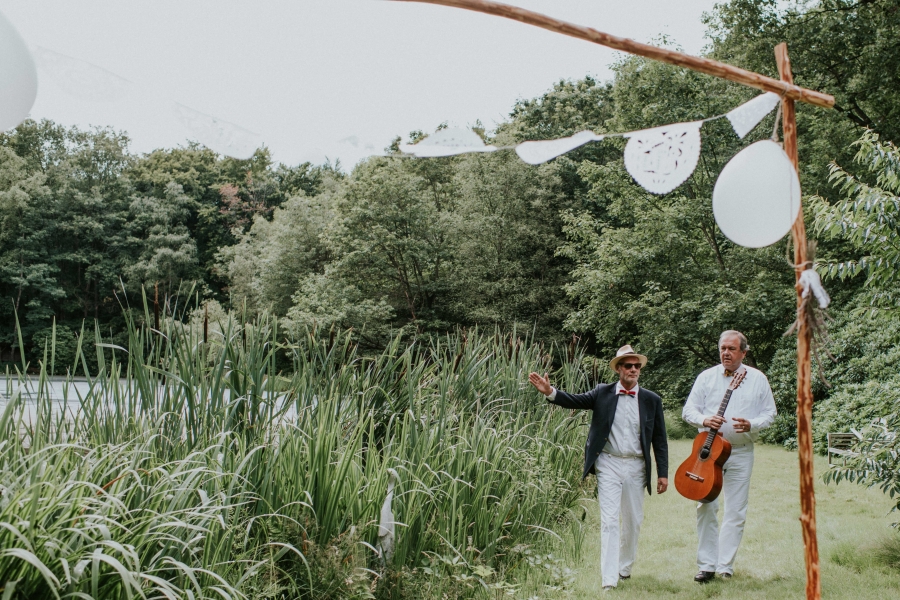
<point>620,487</point>
<point>719,546</point>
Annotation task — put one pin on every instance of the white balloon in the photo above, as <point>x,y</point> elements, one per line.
<point>757,196</point>
<point>18,77</point>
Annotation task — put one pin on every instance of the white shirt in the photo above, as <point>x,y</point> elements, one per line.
<point>753,401</point>
<point>625,435</point>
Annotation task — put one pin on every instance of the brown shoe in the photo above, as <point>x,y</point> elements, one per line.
<point>705,576</point>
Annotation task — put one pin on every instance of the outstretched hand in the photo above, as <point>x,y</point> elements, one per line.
<point>541,384</point>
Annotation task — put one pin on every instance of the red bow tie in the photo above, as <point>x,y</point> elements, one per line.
<point>626,392</point>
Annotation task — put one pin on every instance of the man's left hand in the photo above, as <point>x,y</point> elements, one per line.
<point>662,484</point>
<point>741,425</point>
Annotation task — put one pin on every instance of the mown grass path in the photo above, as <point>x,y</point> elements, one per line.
<point>851,520</point>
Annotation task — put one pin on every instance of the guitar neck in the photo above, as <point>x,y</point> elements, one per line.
<point>724,405</point>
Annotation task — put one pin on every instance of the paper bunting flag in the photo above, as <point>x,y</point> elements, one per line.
<point>447,142</point>
<point>748,115</point>
<point>217,135</point>
<point>84,80</point>
<point>18,77</point>
<point>662,158</point>
<point>535,153</point>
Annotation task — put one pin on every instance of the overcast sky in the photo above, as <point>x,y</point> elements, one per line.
<point>315,78</point>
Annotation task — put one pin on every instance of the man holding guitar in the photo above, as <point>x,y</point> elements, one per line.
<point>751,408</point>
<point>626,421</point>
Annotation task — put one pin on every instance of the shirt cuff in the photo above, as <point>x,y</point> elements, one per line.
<point>552,396</point>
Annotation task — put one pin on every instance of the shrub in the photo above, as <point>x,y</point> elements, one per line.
<point>65,347</point>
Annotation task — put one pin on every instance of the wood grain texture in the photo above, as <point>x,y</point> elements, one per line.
<point>804,366</point>
<point>695,63</point>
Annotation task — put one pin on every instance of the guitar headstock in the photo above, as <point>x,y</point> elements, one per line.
<point>737,379</point>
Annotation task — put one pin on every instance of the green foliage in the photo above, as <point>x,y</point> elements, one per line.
<point>866,218</point>
<point>677,429</point>
<point>58,342</point>
<point>842,47</point>
<point>875,459</point>
<point>861,377</point>
<point>271,261</point>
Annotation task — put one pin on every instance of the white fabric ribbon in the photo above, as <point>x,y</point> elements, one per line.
<point>810,280</point>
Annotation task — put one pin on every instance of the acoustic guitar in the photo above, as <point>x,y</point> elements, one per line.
<point>700,476</point>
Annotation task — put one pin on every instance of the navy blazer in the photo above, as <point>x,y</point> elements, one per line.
<point>603,401</point>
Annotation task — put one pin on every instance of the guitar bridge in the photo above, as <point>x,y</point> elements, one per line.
<point>694,476</point>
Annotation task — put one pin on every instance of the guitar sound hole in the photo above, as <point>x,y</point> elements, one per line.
<point>704,453</point>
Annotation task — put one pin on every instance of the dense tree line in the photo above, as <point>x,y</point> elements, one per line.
<point>400,245</point>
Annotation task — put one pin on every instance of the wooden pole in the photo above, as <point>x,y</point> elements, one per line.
<point>804,367</point>
<point>695,63</point>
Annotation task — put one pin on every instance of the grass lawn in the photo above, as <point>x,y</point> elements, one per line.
<point>851,520</point>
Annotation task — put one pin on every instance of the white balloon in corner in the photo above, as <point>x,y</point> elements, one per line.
<point>18,77</point>
<point>757,196</point>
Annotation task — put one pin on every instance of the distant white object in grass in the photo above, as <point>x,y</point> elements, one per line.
<point>18,77</point>
<point>757,196</point>
<point>537,152</point>
<point>748,115</point>
<point>662,158</point>
<point>386,527</point>
<point>448,142</point>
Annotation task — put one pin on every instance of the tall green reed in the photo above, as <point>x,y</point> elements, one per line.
<point>193,466</point>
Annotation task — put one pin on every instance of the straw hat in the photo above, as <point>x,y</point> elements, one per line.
<point>624,352</point>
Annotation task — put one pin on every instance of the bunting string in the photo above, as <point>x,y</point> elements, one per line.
<point>659,159</point>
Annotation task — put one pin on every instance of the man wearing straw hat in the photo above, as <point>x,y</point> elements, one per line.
<point>626,421</point>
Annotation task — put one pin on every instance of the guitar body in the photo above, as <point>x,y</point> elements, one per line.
<point>699,478</point>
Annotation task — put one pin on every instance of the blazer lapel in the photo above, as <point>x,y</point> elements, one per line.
<point>612,404</point>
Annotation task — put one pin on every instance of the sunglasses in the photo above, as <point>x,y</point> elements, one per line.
<point>628,366</point>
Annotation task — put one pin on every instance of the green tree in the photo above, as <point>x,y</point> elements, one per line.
<point>847,48</point>
<point>28,272</point>
<point>866,218</point>
<point>504,233</point>
<point>267,265</point>
<point>389,236</point>
<point>165,253</point>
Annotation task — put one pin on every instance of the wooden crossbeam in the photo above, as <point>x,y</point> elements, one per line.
<point>695,63</point>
